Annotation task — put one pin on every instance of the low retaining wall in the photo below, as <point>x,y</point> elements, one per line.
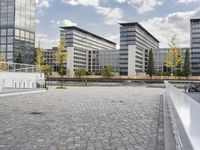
<point>21,80</point>
<point>1,85</point>
<point>184,113</point>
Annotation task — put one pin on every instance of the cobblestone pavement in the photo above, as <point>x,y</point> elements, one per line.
<point>78,118</point>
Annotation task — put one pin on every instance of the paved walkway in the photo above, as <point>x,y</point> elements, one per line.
<point>91,118</point>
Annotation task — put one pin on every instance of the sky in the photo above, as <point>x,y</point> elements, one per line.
<point>162,18</point>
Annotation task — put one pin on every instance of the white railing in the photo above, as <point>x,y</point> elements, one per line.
<point>16,67</point>
<point>185,118</point>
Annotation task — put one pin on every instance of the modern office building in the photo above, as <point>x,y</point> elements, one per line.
<point>160,57</point>
<point>17,29</point>
<point>50,58</point>
<point>135,43</point>
<point>85,49</point>
<point>195,46</point>
<point>97,60</point>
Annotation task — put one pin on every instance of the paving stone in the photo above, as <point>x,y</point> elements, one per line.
<point>85,118</point>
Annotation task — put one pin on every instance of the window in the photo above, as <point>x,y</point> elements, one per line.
<point>10,48</point>
<point>9,39</point>
<point>3,32</point>
<point>3,40</point>
<point>22,34</point>
<point>10,31</point>
<point>17,32</point>
<point>3,48</point>
<point>9,55</point>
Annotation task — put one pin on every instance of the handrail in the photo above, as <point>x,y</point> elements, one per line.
<point>16,67</point>
<point>185,118</point>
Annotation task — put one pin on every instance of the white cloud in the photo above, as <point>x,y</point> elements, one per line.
<point>142,5</point>
<point>112,16</point>
<point>45,41</point>
<point>37,21</point>
<point>64,22</point>
<point>163,28</point>
<point>82,2</point>
<point>187,1</point>
<point>114,38</point>
<point>43,3</point>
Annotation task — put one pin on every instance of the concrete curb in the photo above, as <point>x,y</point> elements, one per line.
<point>170,143</point>
<point>21,93</point>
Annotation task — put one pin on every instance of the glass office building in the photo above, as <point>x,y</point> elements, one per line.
<point>135,43</point>
<point>99,59</point>
<point>195,46</point>
<point>160,57</point>
<point>17,29</point>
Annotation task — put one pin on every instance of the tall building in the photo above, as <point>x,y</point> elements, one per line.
<point>17,29</point>
<point>195,46</point>
<point>160,56</point>
<point>135,43</point>
<point>85,49</point>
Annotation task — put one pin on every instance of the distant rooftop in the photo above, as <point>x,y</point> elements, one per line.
<point>141,27</point>
<point>195,19</point>
<point>89,33</point>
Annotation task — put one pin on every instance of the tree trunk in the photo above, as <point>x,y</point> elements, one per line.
<point>61,81</point>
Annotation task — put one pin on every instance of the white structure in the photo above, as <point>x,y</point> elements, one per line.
<point>80,45</point>
<point>131,63</point>
<point>184,113</point>
<point>21,80</point>
<point>135,44</point>
<point>20,76</point>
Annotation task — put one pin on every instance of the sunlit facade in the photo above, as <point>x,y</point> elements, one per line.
<point>88,50</point>
<point>17,29</point>
<point>135,43</point>
<point>195,46</point>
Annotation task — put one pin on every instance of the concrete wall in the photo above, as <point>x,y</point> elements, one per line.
<point>1,85</point>
<point>70,61</point>
<point>20,80</point>
<point>131,60</point>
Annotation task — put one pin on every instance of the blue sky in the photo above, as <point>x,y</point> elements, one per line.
<point>162,18</point>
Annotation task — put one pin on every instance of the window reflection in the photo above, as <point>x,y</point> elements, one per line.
<point>17,27</point>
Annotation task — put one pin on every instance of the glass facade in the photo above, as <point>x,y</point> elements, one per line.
<point>17,29</point>
<point>99,59</point>
<point>160,56</point>
<point>135,34</point>
<point>195,46</point>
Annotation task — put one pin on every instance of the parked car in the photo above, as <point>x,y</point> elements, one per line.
<point>194,87</point>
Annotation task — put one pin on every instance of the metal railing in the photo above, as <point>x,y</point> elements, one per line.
<point>16,67</point>
<point>184,113</point>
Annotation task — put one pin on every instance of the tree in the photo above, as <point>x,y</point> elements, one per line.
<point>173,59</point>
<point>3,64</point>
<point>107,72</point>
<point>19,58</point>
<point>61,59</point>
<point>186,67</point>
<point>18,61</point>
<point>47,70</point>
<point>40,59</point>
<point>80,72</point>
<point>150,67</point>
